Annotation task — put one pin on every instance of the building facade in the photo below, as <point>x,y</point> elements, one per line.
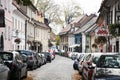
<point>109,15</point>
<point>6,31</point>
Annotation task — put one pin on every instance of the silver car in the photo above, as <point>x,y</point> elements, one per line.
<point>108,67</point>
<point>4,71</point>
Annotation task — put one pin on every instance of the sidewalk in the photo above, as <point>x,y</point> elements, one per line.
<point>76,76</point>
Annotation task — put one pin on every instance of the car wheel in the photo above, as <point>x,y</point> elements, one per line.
<point>32,67</point>
<point>8,78</point>
<point>25,76</point>
<point>19,75</point>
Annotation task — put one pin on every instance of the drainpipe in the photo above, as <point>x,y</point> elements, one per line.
<point>25,34</point>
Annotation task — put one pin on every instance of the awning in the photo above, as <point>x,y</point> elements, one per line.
<point>75,45</point>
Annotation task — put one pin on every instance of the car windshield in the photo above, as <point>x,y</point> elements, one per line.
<point>24,52</point>
<point>6,56</point>
<point>109,61</point>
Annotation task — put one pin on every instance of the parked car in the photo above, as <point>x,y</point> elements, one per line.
<point>78,61</point>
<point>75,55</point>
<point>18,69</point>
<point>52,52</point>
<point>31,58</point>
<point>89,65</point>
<point>81,60</point>
<point>39,59</point>
<point>4,71</point>
<point>108,67</point>
<point>75,64</point>
<point>43,58</point>
<point>48,56</point>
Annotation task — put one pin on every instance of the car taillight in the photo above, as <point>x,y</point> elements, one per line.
<point>13,65</point>
<point>81,62</point>
<point>89,63</point>
<point>31,58</point>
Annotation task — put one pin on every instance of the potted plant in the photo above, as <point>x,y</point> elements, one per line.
<point>94,45</point>
<point>100,39</point>
<point>114,29</point>
<point>28,42</point>
<point>17,40</point>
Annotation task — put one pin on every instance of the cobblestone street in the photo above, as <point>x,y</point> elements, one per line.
<point>59,69</point>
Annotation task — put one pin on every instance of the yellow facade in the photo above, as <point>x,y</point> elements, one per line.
<point>41,32</point>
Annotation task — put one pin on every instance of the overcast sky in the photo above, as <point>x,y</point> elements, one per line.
<point>88,6</point>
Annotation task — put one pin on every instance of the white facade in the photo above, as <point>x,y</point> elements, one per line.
<point>115,16</point>
<point>71,41</point>
<point>7,30</point>
<point>83,42</point>
<point>18,30</point>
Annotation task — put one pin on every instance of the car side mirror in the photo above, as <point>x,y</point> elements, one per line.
<point>91,67</point>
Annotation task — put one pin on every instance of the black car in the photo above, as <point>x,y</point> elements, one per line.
<point>18,69</point>
<point>47,56</point>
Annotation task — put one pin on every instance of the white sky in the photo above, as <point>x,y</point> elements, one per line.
<point>88,6</point>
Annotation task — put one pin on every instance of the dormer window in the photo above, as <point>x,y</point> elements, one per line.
<point>119,6</point>
<point>76,28</point>
<point>72,29</point>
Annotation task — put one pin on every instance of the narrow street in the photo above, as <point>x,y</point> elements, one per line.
<point>59,69</point>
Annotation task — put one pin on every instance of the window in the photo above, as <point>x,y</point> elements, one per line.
<point>9,34</point>
<point>109,61</point>
<point>18,25</point>
<point>15,26</point>
<point>88,57</point>
<point>17,57</point>
<point>119,6</point>
<point>9,6</point>
<point>0,3</point>
<point>95,59</point>
<point>21,26</point>
<point>5,32</point>
<point>6,56</point>
<point>111,14</point>
<point>5,4</point>
<point>13,22</point>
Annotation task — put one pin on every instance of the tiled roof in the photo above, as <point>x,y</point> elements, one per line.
<point>107,3</point>
<point>89,21</point>
<point>78,24</point>
<point>65,30</point>
<point>40,24</point>
<point>77,19</point>
<point>92,28</point>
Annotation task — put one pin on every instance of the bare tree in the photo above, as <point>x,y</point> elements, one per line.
<point>71,11</point>
<point>57,15</point>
